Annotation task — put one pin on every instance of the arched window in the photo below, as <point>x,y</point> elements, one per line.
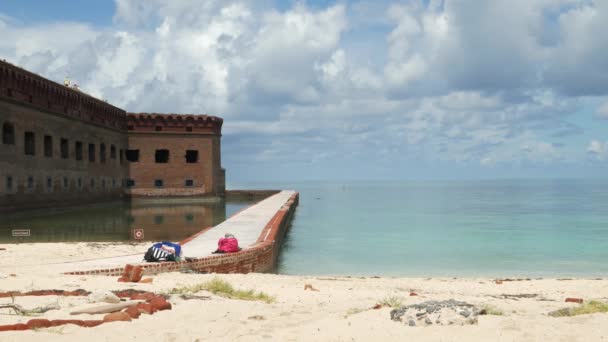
<point>8,133</point>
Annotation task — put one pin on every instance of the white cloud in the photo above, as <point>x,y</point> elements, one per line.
<point>598,149</point>
<point>602,111</point>
<point>463,81</point>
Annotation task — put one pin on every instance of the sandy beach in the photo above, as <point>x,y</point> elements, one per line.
<point>341,309</point>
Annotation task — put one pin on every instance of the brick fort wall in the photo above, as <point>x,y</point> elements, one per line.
<point>174,155</point>
<point>61,146</point>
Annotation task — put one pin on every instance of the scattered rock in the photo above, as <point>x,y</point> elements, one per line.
<point>103,297</point>
<point>257,317</point>
<point>377,306</point>
<point>136,274</point>
<point>160,303</point>
<point>498,281</point>
<point>447,312</point>
<point>412,294</point>
<point>574,300</point>
<point>147,296</point>
<point>91,323</point>
<point>38,323</point>
<point>145,308</point>
<point>11,327</point>
<point>58,322</point>
<point>133,312</point>
<point>146,280</point>
<point>117,317</point>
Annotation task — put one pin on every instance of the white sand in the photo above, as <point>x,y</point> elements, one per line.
<point>297,315</point>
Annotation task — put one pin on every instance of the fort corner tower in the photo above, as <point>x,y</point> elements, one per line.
<point>174,155</point>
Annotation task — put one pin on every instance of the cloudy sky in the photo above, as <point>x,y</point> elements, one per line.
<point>364,89</point>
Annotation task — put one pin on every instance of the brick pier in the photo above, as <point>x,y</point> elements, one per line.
<point>260,230</point>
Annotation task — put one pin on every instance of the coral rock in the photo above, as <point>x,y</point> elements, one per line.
<point>146,280</point>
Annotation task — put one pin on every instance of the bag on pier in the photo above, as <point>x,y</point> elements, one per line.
<point>163,251</point>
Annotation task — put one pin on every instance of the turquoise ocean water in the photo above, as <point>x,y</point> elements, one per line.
<point>493,228</point>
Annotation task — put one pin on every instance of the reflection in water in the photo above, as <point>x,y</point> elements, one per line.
<point>161,219</point>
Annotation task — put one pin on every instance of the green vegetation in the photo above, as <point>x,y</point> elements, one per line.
<point>354,311</point>
<point>392,301</point>
<point>491,310</point>
<point>593,306</point>
<point>224,289</point>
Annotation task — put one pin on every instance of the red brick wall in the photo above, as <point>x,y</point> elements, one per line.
<point>260,258</point>
<point>176,133</point>
<point>176,171</point>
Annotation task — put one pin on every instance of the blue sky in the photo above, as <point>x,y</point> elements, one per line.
<point>346,89</point>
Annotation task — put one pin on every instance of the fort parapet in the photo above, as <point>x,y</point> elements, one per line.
<point>21,86</point>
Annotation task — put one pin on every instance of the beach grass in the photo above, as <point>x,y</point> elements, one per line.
<point>592,307</point>
<point>392,301</point>
<point>491,310</point>
<point>224,289</point>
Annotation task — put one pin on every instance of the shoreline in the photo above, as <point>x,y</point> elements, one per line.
<point>341,309</point>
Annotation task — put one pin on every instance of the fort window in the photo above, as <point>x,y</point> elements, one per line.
<point>120,157</point>
<point>8,134</point>
<point>9,183</point>
<point>130,183</point>
<point>30,143</point>
<point>189,129</point>
<point>103,183</point>
<point>189,182</point>
<point>132,155</point>
<point>159,219</point>
<point>158,128</point>
<point>112,152</point>
<point>91,152</point>
<point>191,156</point>
<point>92,183</point>
<point>113,183</point>
<point>130,127</point>
<point>102,153</point>
<point>49,183</point>
<point>78,149</point>
<point>158,183</point>
<point>48,146</point>
<point>65,183</point>
<point>162,156</point>
<point>79,182</point>
<point>30,182</point>
<point>189,218</point>
<point>65,149</point>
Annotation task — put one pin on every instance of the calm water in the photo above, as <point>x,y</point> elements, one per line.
<point>161,219</point>
<point>451,228</point>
